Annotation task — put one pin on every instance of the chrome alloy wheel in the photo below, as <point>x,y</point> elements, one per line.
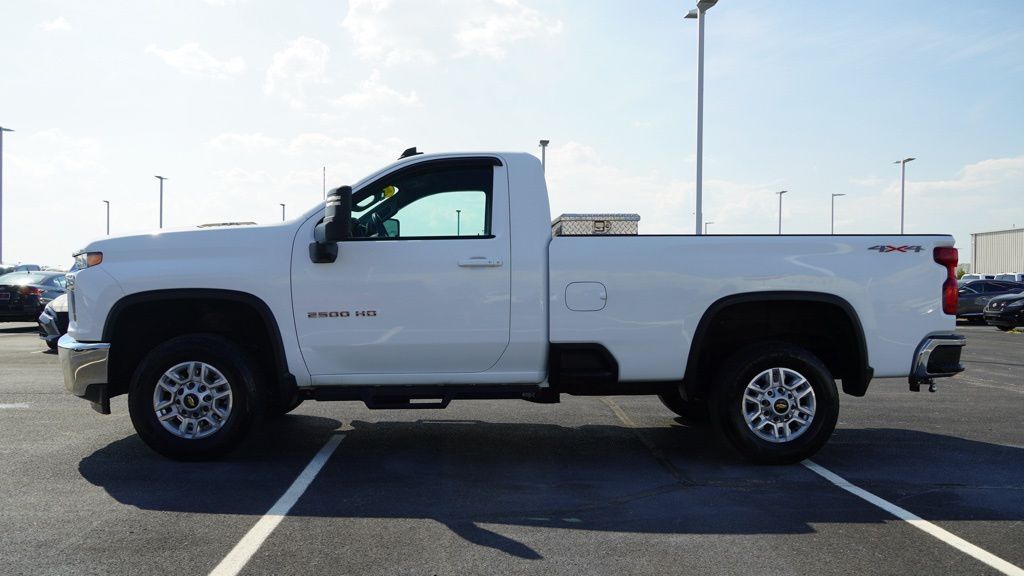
<point>192,400</point>
<point>778,405</point>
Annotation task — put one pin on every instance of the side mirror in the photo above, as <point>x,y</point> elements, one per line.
<point>393,228</point>
<point>337,226</point>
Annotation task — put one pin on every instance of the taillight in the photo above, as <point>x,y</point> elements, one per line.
<point>30,291</point>
<point>947,256</point>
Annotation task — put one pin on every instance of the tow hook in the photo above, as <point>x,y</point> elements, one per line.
<point>916,386</point>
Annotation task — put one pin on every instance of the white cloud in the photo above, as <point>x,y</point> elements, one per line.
<point>302,63</point>
<point>580,181</point>
<point>57,153</point>
<point>235,141</point>
<point>489,35</point>
<point>192,59</point>
<point>224,2</point>
<point>385,37</point>
<point>374,92</point>
<point>59,24</point>
<point>391,32</point>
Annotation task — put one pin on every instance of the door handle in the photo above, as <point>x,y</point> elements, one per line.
<point>479,262</point>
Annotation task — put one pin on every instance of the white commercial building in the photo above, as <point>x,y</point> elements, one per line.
<point>999,251</point>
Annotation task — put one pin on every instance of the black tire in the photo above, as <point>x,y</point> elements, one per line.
<point>51,344</point>
<point>1005,328</point>
<point>727,404</point>
<point>691,412</point>
<point>247,398</point>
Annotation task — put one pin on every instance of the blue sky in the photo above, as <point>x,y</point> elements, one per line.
<point>241,102</point>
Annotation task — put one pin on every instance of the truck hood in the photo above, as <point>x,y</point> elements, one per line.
<point>216,242</point>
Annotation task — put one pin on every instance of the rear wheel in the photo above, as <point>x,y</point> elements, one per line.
<point>776,403</point>
<point>195,397</point>
<point>1005,328</point>
<point>691,412</point>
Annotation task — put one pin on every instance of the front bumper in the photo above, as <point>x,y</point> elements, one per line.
<point>937,357</point>
<point>1011,317</point>
<point>85,370</point>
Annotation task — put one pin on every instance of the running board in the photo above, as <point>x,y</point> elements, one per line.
<point>427,397</point>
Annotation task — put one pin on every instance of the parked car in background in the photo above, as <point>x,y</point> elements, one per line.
<point>24,294</point>
<point>972,277</point>
<point>1005,312</point>
<point>1011,276</point>
<point>53,322</point>
<point>973,296</point>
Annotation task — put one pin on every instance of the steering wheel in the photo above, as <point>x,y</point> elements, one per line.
<point>376,226</point>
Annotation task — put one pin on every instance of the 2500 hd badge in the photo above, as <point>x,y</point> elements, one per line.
<point>341,314</point>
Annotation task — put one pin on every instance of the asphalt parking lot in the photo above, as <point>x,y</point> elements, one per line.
<point>589,486</point>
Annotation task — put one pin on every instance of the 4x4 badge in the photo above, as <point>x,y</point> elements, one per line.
<point>884,249</point>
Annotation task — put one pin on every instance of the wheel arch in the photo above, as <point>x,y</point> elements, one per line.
<point>855,373</point>
<point>117,321</point>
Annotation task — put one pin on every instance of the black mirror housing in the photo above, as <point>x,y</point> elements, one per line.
<point>337,226</point>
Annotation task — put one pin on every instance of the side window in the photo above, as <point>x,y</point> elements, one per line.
<point>60,281</point>
<point>460,213</point>
<point>436,202</point>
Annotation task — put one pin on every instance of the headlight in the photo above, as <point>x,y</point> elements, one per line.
<point>85,259</point>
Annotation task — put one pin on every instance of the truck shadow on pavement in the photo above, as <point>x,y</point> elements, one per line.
<point>490,482</point>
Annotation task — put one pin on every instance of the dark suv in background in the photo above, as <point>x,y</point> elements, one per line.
<point>976,294</point>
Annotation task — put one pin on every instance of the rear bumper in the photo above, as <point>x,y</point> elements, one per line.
<point>84,365</point>
<point>48,329</point>
<point>937,357</point>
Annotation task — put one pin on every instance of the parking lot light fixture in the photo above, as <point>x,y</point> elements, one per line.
<point>706,224</point>
<point>698,13</point>
<point>834,196</point>
<point>780,193</point>
<point>2,130</point>
<point>543,154</point>
<point>282,212</point>
<point>903,185</point>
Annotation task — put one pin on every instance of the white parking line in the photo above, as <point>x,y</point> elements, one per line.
<point>15,406</point>
<point>917,522</point>
<point>233,563</point>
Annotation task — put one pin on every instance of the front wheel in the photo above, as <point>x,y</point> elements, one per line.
<point>776,403</point>
<point>1005,328</point>
<point>194,397</point>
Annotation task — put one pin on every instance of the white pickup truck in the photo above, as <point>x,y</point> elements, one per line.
<point>439,278</point>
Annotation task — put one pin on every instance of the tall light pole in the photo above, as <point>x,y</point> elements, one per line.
<point>107,202</point>
<point>834,196</point>
<point>325,182</point>
<point>458,222</point>
<point>161,178</point>
<point>543,154</point>
<point>706,227</point>
<point>282,212</point>
<point>698,13</point>
<point>780,193</point>
<point>903,185</point>
<point>2,130</point>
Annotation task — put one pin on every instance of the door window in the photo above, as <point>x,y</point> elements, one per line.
<point>437,202</point>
